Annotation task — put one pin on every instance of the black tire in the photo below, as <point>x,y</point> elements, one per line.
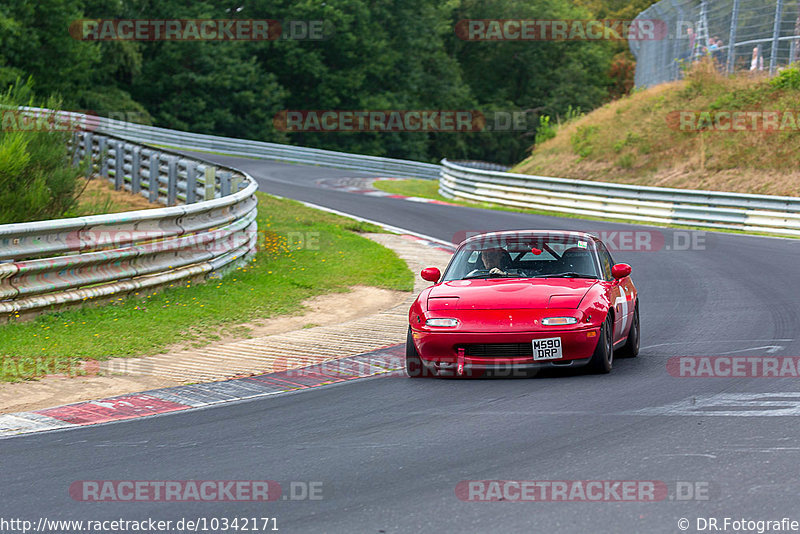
<point>603,358</point>
<point>631,347</point>
<point>414,366</point>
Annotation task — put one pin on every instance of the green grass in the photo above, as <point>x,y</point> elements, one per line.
<point>411,188</point>
<point>275,282</point>
<point>98,196</point>
<point>430,189</point>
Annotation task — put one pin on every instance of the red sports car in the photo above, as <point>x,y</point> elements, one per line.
<point>520,301</point>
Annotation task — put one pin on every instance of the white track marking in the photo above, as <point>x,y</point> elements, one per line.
<point>712,341</point>
<point>385,226</point>
<point>730,404</point>
<point>770,349</point>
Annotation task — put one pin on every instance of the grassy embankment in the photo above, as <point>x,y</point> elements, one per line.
<point>638,140</point>
<point>283,273</point>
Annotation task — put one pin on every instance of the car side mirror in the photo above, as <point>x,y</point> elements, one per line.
<point>620,270</point>
<point>431,274</point>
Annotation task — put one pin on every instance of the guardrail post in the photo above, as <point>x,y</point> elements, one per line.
<point>87,150</point>
<point>119,165</point>
<point>191,183</point>
<point>224,184</point>
<point>210,182</point>
<point>76,147</point>
<point>732,36</point>
<point>136,169</point>
<point>236,183</point>
<point>155,163</point>
<point>172,181</point>
<point>776,32</point>
<point>102,148</point>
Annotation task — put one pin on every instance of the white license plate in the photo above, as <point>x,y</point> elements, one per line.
<point>547,349</point>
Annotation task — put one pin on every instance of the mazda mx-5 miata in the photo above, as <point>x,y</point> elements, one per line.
<point>521,301</point>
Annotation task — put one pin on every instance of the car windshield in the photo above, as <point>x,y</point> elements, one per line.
<point>530,256</point>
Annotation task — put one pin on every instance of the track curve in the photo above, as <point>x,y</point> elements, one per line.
<point>390,451</point>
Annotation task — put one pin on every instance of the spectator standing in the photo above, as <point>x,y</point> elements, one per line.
<point>715,49</point>
<point>757,61</point>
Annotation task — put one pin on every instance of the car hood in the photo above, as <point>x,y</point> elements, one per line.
<point>499,294</point>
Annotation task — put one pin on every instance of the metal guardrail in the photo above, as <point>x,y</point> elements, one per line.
<point>711,209</point>
<point>48,263</point>
<point>272,151</point>
<point>483,165</point>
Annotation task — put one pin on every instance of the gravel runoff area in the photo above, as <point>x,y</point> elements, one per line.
<point>337,326</point>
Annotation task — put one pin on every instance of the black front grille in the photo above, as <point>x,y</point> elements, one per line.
<point>498,350</point>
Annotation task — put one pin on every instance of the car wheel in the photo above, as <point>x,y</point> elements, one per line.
<point>631,348</point>
<point>603,357</point>
<point>414,366</point>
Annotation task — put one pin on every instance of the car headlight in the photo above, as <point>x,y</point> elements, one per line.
<point>442,322</point>
<point>558,321</point>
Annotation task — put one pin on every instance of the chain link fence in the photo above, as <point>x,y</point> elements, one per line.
<point>739,35</point>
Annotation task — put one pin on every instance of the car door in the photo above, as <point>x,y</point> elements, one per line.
<point>620,293</point>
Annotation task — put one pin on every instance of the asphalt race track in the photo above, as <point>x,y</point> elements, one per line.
<point>390,451</point>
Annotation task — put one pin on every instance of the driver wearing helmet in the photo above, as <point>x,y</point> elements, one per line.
<point>495,260</point>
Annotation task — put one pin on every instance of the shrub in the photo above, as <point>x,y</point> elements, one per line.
<point>37,180</point>
<point>545,130</point>
<point>788,78</point>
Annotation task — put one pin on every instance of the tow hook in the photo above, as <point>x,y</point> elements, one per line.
<point>460,369</point>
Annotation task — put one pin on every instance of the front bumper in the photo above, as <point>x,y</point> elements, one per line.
<point>473,369</point>
<point>439,349</point>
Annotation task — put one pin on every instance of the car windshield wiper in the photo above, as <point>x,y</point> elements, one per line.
<point>570,274</point>
<point>486,274</point>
